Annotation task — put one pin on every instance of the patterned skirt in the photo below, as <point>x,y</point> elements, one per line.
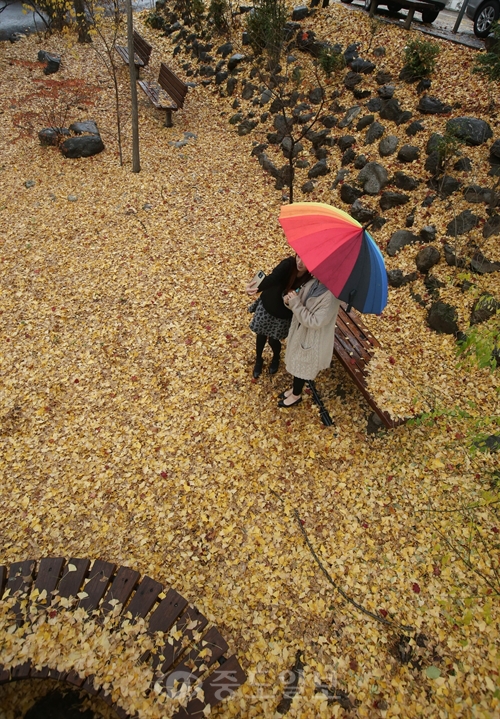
<point>265,324</point>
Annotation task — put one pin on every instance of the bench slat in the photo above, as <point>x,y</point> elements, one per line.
<point>167,612</point>
<point>71,582</point>
<point>172,85</point>
<point>221,684</point>
<point>191,621</point>
<point>121,589</point>
<point>97,583</point>
<point>48,575</point>
<point>195,662</point>
<point>3,579</point>
<point>144,598</point>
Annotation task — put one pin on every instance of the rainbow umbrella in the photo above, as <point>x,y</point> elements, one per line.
<point>338,251</point>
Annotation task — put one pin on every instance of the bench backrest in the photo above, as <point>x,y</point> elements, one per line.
<point>169,81</point>
<point>142,48</point>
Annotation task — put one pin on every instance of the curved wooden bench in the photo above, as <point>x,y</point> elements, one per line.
<point>99,588</point>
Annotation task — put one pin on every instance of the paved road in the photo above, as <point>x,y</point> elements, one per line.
<point>441,27</point>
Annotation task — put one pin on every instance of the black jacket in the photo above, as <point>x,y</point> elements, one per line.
<point>274,285</point>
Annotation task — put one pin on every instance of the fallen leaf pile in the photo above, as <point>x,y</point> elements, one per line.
<point>131,430</point>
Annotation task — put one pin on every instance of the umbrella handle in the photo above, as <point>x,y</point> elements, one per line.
<point>352,295</point>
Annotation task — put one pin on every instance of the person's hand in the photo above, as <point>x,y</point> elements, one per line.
<point>251,289</point>
<point>288,297</point>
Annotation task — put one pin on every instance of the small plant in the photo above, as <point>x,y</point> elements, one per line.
<point>488,64</point>
<point>482,344</point>
<point>420,56</point>
<point>218,11</point>
<point>156,20</point>
<point>265,26</point>
<point>331,61</point>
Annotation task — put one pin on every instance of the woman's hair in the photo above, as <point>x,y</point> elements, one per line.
<point>293,276</point>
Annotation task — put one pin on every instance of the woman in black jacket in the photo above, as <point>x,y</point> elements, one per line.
<point>272,319</point>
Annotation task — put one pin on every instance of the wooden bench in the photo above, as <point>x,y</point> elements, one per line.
<point>190,649</point>
<point>168,94</point>
<point>142,52</point>
<point>410,5</point>
<point>354,345</point>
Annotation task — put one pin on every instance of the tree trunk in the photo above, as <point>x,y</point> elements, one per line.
<point>82,22</point>
<point>136,163</point>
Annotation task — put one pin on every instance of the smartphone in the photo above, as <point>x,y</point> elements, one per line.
<point>258,278</point>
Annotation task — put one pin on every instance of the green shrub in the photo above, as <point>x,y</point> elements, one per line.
<point>155,20</point>
<point>218,11</point>
<point>331,61</point>
<point>488,64</point>
<point>420,56</point>
<point>265,27</point>
<point>482,344</point>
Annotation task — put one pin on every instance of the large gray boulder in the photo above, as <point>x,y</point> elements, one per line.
<point>426,258</point>
<point>470,129</point>
<point>373,177</point>
<point>82,146</point>
<point>443,317</point>
<point>400,239</point>
<point>462,223</point>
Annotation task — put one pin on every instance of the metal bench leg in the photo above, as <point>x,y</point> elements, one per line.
<point>168,118</point>
<point>409,19</point>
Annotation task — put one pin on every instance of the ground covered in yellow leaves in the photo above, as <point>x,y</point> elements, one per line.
<point>131,429</point>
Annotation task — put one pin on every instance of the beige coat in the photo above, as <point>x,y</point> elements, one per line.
<point>312,333</point>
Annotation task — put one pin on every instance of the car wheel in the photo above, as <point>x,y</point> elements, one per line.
<point>485,18</point>
<point>430,15</point>
<point>346,2</point>
<point>393,7</point>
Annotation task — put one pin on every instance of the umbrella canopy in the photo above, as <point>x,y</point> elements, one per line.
<point>339,252</point>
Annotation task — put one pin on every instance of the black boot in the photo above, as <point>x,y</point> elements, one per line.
<point>275,363</point>
<point>257,370</point>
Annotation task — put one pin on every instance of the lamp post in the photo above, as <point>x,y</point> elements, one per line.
<point>136,163</point>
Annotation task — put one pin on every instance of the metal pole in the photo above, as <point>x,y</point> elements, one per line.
<point>460,16</point>
<point>136,163</point>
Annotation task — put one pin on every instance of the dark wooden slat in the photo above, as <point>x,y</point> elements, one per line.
<point>144,598</point>
<point>221,684</point>
<point>21,576</point>
<point>88,686</point>
<point>4,675</point>
<point>42,673</point>
<point>191,622</point>
<point>199,657</point>
<point>121,589</point>
<point>172,85</point>
<point>22,671</point>
<point>99,577</point>
<point>72,581</point>
<point>167,612</point>
<point>75,679</point>
<point>48,575</point>
<point>3,579</point>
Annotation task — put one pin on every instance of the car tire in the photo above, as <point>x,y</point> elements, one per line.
<point>430,15</point>
<point>487,14</point>
<point>394,6</point>
<point>346,2</point>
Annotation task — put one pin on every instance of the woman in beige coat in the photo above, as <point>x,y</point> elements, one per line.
<point>311,337</point>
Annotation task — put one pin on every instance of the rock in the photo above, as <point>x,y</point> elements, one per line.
<point>316,96</point>
<point>360,212</point>
<point>408,153</point>
<point>374,105</point>
<point>268,165</point>
<point>442,317</point>
<point>428,200</point>
<point>209,71</point>
<point>470,129</point>
<point>363,66</point>
<point>301,164</point>
<point>321,153</point>
<point>379,51</point>
<point>388,145</point>
<point>428,233</point>
<point>82,146</point>
<point>426,258</point>
<point>477,194</point>
<point>231,85</point>
<point>386,91</point>
<point>329,121</point>
<point>72,198</point>
<point>225,49</point>
<point>80,128</point>
<point>360,162</point>
<point>495,150</point>
<point>236,118</point>
<point>258,149</point>
<point>392,199</point>
<point>289,29</point>
<point>246,127</point>
<point>485,307</point>
<point>400,239</point>
<point>350,116</point>
<point>373,177</point>
<point>405,182</point>
<point>492,443</point>
<point>287,148</point>
<point>433,143</point>
<point>404,117</point>
<point>349,194</point>
<point>434,163</point>
<point>395,278</point>
<point>235,60</point>
<point>320,168</point>
<point>445,185</point>
<point>391,110</point>
<point>451,258</point>
<point>307,187</point>
<point>348,157</point>
<point>375,132</point>
<point>433,285</point>
<point>339,177</point>
<point>383,77</point>
<point>462,223</point>
<point>304,119</point>
<point>322,137</point>
<point>352,79</point>
<point>377,224</point>
<point>481,265</point>
<point>29,183</point>
<point>423,85</point>
<point>220,77</point>
<point>248,91</point>
<point>410,219</point>
<point>373,426</point>
<point>364,122</point>
<point>300,12</point>
<point>492,227</point>
<point>345,142</point>
<point>407,75</point>
<point>351,52</point>
<point>463,165</point>
<point>432,106</point>
<point>50,136</point>
<point>415,127</point>
<point>53,61</point>
<point>283,125</point>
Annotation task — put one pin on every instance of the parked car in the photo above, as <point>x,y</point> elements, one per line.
<point>484,13</point>
<point>394,6</point>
